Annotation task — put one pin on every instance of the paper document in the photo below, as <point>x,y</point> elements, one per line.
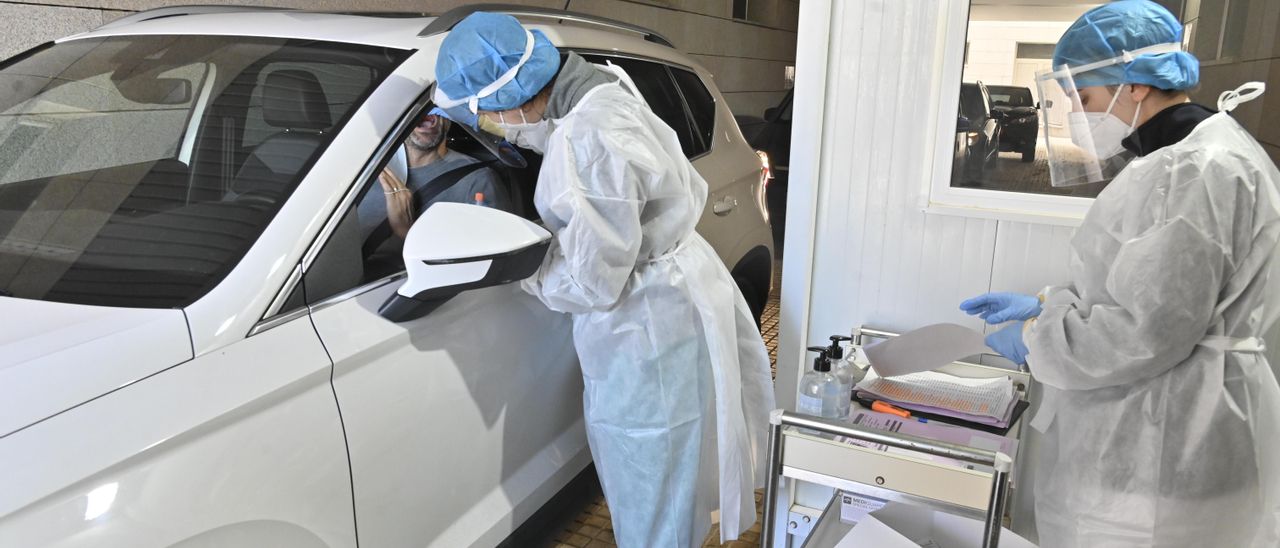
<point>933,430</point>
<point>924,349</point>
<point>871,532</point>
<point>987,401</point>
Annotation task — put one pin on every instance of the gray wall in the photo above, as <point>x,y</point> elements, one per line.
<point>747,59</point>
<point>1256,57</point>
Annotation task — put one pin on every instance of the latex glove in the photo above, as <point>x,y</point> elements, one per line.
<point>1002,307</point>
<point>1008,343</point>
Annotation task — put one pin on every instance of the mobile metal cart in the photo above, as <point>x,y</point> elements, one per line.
<point>804,448</point>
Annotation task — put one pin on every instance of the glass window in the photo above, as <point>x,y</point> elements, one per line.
<point>125,177</point>
<point>999,140</point>
<point>701,105</point>
<point>1035,51</point>
<point>437,162</point>
<point>655,84</point>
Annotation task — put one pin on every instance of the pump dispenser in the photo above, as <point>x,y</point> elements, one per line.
<point>844,370</point>
<point>820,390</point>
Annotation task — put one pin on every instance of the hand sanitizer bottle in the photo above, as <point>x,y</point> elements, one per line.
<point>819,389</point>
<point>844,370</point>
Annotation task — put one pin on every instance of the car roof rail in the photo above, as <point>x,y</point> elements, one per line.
<point>174,11</point>
<point>446,21</point>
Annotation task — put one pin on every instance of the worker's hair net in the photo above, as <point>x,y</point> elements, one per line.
<point>487,63</point>
<point>1110,30</point>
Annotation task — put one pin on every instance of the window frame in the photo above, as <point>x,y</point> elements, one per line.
<point>274,314</point>
<point>940,197</point>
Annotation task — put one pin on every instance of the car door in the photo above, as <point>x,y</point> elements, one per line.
<point>459,424</point>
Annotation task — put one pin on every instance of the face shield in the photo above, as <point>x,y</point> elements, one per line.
<point>483,131</point>
<point>460,113</point>
<point>1083,146</point>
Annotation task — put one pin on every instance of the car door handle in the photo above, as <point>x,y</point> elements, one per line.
<point>724,206</point>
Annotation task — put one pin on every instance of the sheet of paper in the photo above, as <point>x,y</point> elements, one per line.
<point>871,532</point>
<point>978,397</point>
<point>924,349</point>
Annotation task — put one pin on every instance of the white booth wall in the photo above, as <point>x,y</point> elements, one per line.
<point>861,248</point>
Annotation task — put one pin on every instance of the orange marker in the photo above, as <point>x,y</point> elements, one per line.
<point>882,407</point>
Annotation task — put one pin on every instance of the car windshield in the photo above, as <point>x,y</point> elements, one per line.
<point>1010,97</point>
<point>137,171</point>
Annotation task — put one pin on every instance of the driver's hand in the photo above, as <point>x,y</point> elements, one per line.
<point>399,203</point>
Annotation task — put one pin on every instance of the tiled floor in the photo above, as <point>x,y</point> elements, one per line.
<point>591,527</point>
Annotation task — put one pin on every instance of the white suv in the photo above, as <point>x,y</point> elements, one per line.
<point>195,347</point>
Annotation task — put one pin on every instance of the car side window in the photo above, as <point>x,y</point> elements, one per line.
<point>702,106</point>
<point>365,246</point>
<point>659,90</point>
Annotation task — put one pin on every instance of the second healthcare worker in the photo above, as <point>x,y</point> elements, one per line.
<point>1161,415</point>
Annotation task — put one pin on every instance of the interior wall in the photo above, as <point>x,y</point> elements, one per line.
<point>747,58</point>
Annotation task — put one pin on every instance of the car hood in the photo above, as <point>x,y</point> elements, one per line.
<point>54,356</point>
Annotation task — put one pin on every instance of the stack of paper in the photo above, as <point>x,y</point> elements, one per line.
<point>983,401</point>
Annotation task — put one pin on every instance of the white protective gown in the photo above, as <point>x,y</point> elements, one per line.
<point>677,382</point>
<point>1161,414</point>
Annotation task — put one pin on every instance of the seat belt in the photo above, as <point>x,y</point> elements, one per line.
<point>421,198</point>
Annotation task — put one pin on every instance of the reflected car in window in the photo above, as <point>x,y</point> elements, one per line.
<point>195,345</point>
<point>982,135</point>
<point>1018,114</point>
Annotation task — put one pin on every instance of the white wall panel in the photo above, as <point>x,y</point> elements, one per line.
<point>878,259</point>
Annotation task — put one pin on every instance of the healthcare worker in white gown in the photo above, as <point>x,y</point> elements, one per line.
<point>1160,412</point>
<point>677,381</point>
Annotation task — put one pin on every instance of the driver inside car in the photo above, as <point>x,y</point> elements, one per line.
<point>429,158</point>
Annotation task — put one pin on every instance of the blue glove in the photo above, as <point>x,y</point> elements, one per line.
<point>1002,307</point>
<point>1008,343</point>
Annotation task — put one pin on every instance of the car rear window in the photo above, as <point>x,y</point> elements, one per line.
<point>659,90</point>
<point>702,106</point>
<point>137,171</point>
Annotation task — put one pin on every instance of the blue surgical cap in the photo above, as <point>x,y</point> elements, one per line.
<point>1107,31</point>
<point>484,47</point>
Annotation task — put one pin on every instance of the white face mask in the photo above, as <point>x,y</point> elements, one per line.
<point>1105,130</point>
<point>533,136</point>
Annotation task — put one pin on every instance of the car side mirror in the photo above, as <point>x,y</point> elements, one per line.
<point>454,248</point>
<point>963,124</point>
